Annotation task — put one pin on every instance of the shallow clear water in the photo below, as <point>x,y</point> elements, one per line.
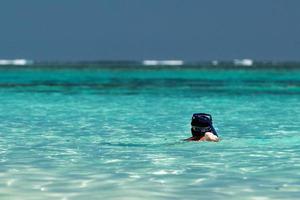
<point>117,134</point>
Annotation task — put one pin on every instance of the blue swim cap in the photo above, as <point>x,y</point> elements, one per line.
<point>204,122</point>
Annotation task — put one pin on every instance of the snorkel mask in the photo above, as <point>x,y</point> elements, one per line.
<point>202,123</point>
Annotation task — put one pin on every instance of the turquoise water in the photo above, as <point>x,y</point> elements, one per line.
<point>117,134</point>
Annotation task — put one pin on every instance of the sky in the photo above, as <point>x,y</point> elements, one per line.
<point>192,30</point>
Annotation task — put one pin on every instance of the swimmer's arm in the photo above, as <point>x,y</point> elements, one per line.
<point>211,137</point>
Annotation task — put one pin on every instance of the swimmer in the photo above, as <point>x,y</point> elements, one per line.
<point>202,128</point>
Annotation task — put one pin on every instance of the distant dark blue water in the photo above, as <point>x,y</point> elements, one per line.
<point>117,134</point>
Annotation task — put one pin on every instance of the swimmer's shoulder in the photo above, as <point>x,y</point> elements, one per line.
<point>195,139</point>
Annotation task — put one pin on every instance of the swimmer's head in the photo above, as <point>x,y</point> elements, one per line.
<point>201,120</point>
<point>202,123</point>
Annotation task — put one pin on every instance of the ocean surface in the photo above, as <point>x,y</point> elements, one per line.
<point>76,133</point>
